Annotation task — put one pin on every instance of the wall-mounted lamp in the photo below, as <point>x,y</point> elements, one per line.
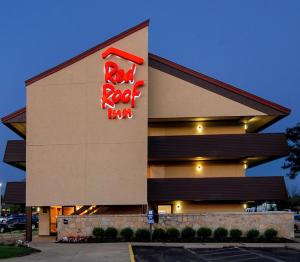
<point>198,168</point>
<point>38,209</point>
<point>245,206</point>
<point>178,206</point>
<point>245,126</point>
<point>245,166</point>
<point>199,128</point>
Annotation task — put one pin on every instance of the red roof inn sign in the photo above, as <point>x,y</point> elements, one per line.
<point>112,91</point>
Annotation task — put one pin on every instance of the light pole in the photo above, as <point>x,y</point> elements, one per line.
<point>0,198</point>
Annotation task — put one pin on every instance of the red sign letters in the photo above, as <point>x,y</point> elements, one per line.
<point>114,77</point>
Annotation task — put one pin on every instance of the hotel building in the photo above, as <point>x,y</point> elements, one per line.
<point>117,129</point>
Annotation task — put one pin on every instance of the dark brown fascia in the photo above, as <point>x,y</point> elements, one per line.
<point>216,147</point>
<point>15,193</point>
<point>171,149</point>
<point>15,153</point>
<point>223,189</point>
<point>217,189</point>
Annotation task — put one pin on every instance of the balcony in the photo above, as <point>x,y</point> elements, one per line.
<point>253,148</point>
<point>256,148</point>
<point>15,153</point>
<point>236,189</point>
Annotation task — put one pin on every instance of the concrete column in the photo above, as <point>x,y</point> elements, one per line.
<point>44,221</point>
<point>28,224</point>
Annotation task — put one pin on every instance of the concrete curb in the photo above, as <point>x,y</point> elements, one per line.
<point>220,245</point>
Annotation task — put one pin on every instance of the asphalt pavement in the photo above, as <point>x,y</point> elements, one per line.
<point>230,254</point>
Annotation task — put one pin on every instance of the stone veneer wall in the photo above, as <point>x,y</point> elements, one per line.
<point>83,225</point>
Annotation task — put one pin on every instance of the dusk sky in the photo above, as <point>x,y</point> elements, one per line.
<point>254,45</point>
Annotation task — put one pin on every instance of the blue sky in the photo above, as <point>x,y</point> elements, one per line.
<point>253,45</point>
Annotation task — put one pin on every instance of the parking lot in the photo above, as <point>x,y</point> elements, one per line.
<point>234,254</point>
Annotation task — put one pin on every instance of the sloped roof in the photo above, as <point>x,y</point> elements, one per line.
<point>217,86</point>
<point>18,116</point>
<point>167,66</point>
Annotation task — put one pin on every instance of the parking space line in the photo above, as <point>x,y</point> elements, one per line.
<point>246,259</point>
<point>263,256</point>
<point>221,250</point>
<point>233,256</point>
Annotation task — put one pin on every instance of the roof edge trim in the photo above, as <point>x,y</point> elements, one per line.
<point>13,114</point>
<point>87,52</point>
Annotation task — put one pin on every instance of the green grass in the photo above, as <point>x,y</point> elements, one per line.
<point>12,251</point>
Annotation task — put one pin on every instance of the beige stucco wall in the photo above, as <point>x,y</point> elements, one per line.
<point>75,154</point>
<point>185,207</point>
<point>283,222</point>
<point>191,128</point>
<point>190,170</point>
<point>44,222</point>
<point>171,97</point>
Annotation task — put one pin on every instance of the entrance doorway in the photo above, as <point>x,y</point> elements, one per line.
<point>54,212</point>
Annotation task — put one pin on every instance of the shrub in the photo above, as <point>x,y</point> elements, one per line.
<point>142,234</point>
<point>253,234</point>
<point>159,234</point>
<point>204,233</point>
<point>126,234</point>
<point>98,232</point>
<point>110,233</point>
<point>220,233</point>
<point>235,234</point>
<point>172,234</point>
<point>188,233</point>
<point>270,233</point>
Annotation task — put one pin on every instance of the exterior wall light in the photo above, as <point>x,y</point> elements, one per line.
<point>199,128</point>
<point>38,209</point>
<point>198,168</point>
<point>245,126</point>
<point>245,166</point>
<point>178,206</point>
<point>245,206</point>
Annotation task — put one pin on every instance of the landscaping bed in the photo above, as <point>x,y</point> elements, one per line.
<point>188,234</point>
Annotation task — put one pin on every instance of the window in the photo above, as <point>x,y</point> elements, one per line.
<point>164,209</point>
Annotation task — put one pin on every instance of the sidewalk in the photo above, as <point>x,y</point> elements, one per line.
<point>94,252</point>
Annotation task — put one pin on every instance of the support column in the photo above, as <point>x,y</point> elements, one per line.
<point>28,224</point>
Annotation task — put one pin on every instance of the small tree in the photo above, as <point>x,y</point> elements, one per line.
<point>292,162</point>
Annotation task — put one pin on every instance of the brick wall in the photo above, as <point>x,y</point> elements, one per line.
<point>83,225</point>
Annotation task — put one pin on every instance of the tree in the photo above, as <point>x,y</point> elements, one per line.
<point>292,162</point>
